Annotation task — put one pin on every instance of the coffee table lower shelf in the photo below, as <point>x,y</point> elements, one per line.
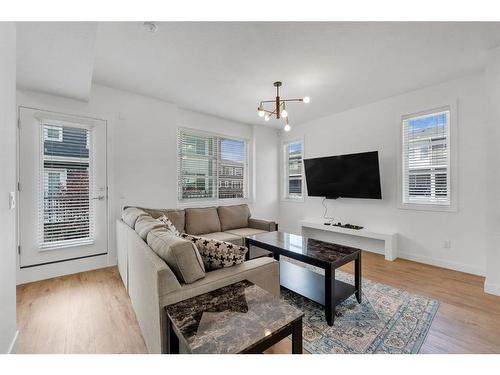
<point>311,284</point>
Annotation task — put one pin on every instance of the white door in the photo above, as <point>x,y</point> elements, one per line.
<point>63,189</point>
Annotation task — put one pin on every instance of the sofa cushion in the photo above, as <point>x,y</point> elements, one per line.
<point>232,217</point>
<point>146,224</point>
<point>180,254</point>
<point>131,214</point>
<point>177,217</point>
<point>202,220</point>
<point>224,236</point>
<point>217,254</point>
<point>243,232</point>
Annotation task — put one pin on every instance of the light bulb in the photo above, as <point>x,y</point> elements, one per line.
<point>306,99</point>
<point>266,117</point>
<point>284,113</point>
<point>287,128</point>
<point>261,113</point>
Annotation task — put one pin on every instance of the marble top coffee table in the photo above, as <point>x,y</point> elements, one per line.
<point>238,318</point>
<point>320,254</point>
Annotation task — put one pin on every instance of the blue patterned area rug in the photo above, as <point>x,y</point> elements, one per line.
<point>389,320</point>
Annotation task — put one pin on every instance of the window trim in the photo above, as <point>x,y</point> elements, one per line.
<point>283,180</point>
<point>452,172</point>
<point>203,202</point>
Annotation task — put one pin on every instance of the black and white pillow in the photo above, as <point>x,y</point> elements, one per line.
<point>170,226</point>
<point>217,254</point>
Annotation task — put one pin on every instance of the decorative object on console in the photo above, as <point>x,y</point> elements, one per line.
<point>279,107</point>
<point>347,225</point>
<point>217,254</point>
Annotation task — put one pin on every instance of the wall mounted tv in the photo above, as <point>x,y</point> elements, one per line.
<point>344,176</point>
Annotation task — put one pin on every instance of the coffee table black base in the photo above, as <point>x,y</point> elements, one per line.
<point>312,285</point>
<point>294,329</point>
<point>325,290</point>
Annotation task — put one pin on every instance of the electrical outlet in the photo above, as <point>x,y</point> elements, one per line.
<point>447,244</point>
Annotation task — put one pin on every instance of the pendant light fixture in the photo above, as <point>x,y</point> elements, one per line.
<point>279,109</point>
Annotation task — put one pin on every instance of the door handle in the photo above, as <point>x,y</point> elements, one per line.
<point>100,197</point>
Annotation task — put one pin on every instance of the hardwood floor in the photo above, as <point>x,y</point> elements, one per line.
<point>90,312</point>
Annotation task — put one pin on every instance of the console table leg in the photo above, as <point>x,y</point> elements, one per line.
<point>297,337</point>
<point>357,277</point>
<point>330,295</point>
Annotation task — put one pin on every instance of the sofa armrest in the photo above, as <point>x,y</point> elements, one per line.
<point>149,279</point>
<point>263,272</point>
<point>267,225</point>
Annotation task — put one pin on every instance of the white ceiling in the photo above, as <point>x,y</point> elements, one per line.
<point>57,58</point>
<point>226,68</point>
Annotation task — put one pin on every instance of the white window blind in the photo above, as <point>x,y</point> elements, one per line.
<point>293,153</point>
<point>52,133</point>
<point>426,158</point>
<point>211,166</point>
<point>65,209</point>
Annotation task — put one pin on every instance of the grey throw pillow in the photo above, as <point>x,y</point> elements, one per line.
<point>181,255</point>
<point>217,254</point>
<point>146,224</point>
<point>131,214</point>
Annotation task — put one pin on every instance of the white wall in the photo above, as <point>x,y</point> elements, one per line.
<point>266,182</point>
<point>376,127</point>
<point>142,152</point>
<point>492,183</point>
<point>7,185</point>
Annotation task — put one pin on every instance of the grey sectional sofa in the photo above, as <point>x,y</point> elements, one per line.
<point>151,283</point>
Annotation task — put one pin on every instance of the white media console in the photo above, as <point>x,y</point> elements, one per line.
<point>351,237</point>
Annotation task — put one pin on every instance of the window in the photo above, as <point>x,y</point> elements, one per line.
<point>293,153</point>
<point>211,166</point>
<point>52,133</point>
<point>65,213</point>
<point>426,159</point>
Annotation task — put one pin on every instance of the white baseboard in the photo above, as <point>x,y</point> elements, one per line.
<point>491,288</point>
<point>442,263</point>
<point>28,275</point>
<point>13,344</point>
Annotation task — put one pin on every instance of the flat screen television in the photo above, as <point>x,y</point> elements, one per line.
<point>344,176</point>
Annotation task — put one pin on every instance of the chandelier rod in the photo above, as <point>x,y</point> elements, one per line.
<point>282,100</point>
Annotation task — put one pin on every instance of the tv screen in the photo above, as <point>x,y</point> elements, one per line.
<point>344,176</point>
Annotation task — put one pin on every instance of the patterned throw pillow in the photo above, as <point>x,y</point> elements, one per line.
<point>217,254</point>
<point>171,227</point>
